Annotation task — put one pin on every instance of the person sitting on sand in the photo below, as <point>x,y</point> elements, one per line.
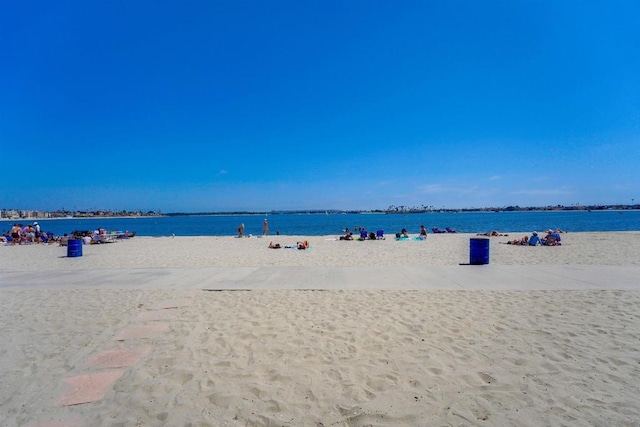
<point>423,233</point>
<point>303,245</point>
<point>551,239</point>
<point>44,238</point>
<point>402,235</point>
<point>534,239</point>
<point>274,245</point>
<point>348,236</point>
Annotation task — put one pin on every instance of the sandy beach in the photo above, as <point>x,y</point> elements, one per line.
<point>220,331</point>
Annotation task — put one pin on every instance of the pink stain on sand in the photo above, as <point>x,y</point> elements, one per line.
<point>144,331</point>
<point>119,358</point>
<point>88,388</point>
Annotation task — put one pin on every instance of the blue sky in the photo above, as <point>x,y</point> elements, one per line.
<point>261,105</point>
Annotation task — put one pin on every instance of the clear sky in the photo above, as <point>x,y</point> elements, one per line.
<point>260,105</point>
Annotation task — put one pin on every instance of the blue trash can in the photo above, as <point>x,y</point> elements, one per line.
<point>479,251</point>
<point>74,248</point>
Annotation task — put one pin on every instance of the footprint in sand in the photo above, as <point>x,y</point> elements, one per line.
<point>487,378</point>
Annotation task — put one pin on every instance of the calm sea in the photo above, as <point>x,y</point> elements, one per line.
<point>321,224</point>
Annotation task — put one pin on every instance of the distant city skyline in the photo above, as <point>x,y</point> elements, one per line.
<point>261,106</point>
<point>24,214</point>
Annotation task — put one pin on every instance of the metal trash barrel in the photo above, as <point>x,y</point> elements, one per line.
<point>74,248</point>
<point>478,251</point>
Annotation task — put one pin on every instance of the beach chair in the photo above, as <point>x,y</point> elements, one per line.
<point>363,234</point>
<point>380,235</point>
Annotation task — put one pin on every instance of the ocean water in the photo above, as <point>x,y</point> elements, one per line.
<point>321,224</point>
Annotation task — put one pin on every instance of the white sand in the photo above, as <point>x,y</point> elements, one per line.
<point>439,249</point>
<point>324,358</point>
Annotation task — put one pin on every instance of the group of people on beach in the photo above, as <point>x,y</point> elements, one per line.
<point>552,238</point>
<point>92,237</point>
<point>379,234</point>
<point>32,234</point>
<point>364,234</point>
<point>26,235</point>
<point>403,234</point>
<point>265,229</point>
<point>299,245</point>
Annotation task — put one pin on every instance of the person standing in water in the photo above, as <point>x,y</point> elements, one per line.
<point>265,227</point>
<point>241,230</point>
